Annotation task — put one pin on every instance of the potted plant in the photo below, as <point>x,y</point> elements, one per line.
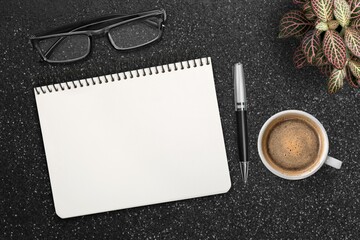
<point>330,38</point>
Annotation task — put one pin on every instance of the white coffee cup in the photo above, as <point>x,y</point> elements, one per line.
<point>324,158</point>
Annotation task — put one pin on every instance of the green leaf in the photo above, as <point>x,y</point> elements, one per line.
<point>353,81</point>
<point>354,8</point>
<point>294,23</point>
<point>336,80</point>
<point>356,24</point>
<point>355,68</point>
<point>299,58</point>
<point>310,45</point>
<point>352,40</point>
<point>320,58</point>
<point>342,12</point>
<point>323,9</point>
<point>321,26</point>
<point>334,49</point>
<point>326,70</point>
<point>308,11</point>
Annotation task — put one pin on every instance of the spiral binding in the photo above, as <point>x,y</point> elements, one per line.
<point>56,87</point>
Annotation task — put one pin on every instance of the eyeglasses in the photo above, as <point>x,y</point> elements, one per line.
<point>125,32</point>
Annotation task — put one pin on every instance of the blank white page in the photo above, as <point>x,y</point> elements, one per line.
<point>135,141</point>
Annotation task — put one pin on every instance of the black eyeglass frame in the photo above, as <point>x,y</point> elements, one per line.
<point>71,30</point>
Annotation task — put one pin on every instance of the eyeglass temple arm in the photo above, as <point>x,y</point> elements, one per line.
<point>70,27</point>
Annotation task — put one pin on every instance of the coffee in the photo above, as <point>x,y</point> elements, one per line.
<point>292,144</point>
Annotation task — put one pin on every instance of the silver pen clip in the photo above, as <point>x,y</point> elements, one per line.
<point>239,87</point>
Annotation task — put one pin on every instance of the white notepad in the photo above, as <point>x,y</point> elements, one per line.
<point>126,140</point>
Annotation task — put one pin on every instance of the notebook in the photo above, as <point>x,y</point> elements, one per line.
<point>133,138</point>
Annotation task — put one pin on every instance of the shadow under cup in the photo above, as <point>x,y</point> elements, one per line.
<point>293,144</point>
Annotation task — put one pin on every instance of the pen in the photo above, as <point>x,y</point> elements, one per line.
<point>241,119</point>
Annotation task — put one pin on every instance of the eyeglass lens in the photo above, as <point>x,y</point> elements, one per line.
<point>135,33</point>
<point>58,49</point>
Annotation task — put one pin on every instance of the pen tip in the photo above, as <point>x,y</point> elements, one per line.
<point>244,166</point>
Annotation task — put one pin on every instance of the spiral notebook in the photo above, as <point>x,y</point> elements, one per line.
<point>134,138</point>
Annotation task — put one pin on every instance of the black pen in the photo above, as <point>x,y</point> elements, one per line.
<point>241,119</point>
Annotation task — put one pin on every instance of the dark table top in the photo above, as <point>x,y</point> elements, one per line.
<point>326,205</point>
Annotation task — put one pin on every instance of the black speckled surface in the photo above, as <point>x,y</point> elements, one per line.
<point>324,206</point>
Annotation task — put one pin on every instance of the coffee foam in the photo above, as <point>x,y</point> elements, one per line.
<point>292,144</point>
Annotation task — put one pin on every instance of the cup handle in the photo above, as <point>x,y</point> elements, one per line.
<point>333,162</point>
